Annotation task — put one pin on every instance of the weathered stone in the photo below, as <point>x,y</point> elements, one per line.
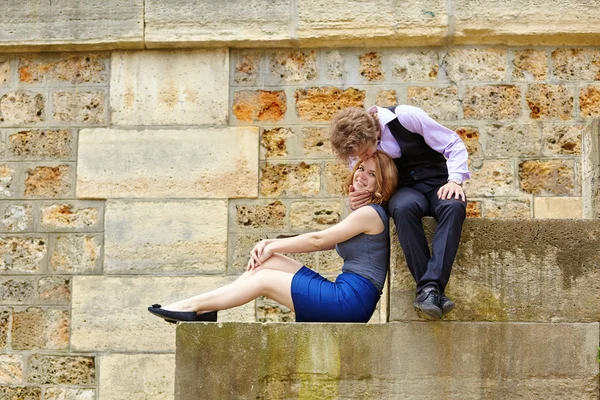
<point>497,102</point>
<point>321,103</point>
<point>17,218</point>
<point>290,180</point>
<point>370,66</point>
<point>22,108</point>
<point>98,325</point>
<point>269,216</point>
<point>5,72</point>
<point>7,180</point>
<point>84,216</point>
<point>330,263</point>
<point>67,370</point>
<point>20,392</point>
<point>473,209</point>
<point>75,68</point>
<point>49,181</point>
<point>314,215</point>
<point>80,107</point>
<point>75,254</point>
<point>259,105</point>
<point>558,207</point>
<point>463,64</point>
<point>4,326</point>
<point>507,208</point>
<point>550,101</point>
<point>275,142</point>
<point>439,103</point>
<point>470,137</point>
<point>315,142</point>
<point>168,242</point>
<point>576,64</point>
<point>415,67</point>
<point>590,170</point>
<point>561,139</point>
<point>511,140</point>
<point>530,65</point>
<point>247,66</point>
<point>493,178</point>
<point>187,87</point>
<point>295,66</point>
<point>336,68</point>
<point>17,290</point>
<point>11,369</point>
<point>190,163</point>
<point>41,144</point>
<point>334,177</point>
<point>386,98</point>
<point>54,290</point>
<point>547,177</point>
<point>22,254</point>
<point>137,376</point>
<point>40,329</point>
<point>589,101</point>
<point>65,393</point>
<point>240,246</point>
<point>268,310</point>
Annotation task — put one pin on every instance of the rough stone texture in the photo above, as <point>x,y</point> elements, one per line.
<point>5,72</point>
<point>516,270</point>
<point>464,64</point>
<point>562,139</point>
<point>558,207</point>
<point>46,25</point>
<point>420,66</point>
<point>470,137</point>
<point>240,246</point>
<point>40,329</point>
<point>68,370</point>
<point>493,178</point>
<point>473,209</point>
<point>259,216</point>
<point>98,325</point>
<point>41,144</point>
<point>386,98</point>
<point>315,142</point>
<point>22,254</point>
<point>547,177</point>
<point>570,64</point>
<point>511,141</point>
<point>498,102</point>
<point>137,376</point>
<point>187,87</point>
<point>374,361</point>
<point>336,66</point>
<point>247,68</point>
<point>290,180</point>
<point>7,180</point>
<point>590,170</point>
<point>17,217</point>
<point>314,215</point>
<point>334,177</point>
<point>188,236</point>
<point>275,142</point>
<point>321,103</point>
<point>85,108</point>
<point>183,23</point>
<point>550,101</point>
<point>370,66</point>
<point>75,254</point>
<point>507,208</point>
<point>72,217</point>
<point>268,310</point>
<point>49,181</point>
<point>17,290</point>
<point>295,66</point>
<point>11,369</point>
<point>20,392</point>
<point>259,105</point>
<point>589,101</point>
<point>4,326</point>
<point>54,290</point>
<point>330,263</point>
<point>530,65</point>
<point>65,393</point>
<point>22,107</point>
<point>205,163</point>
<point>70,67</point>
<point>439,103</point>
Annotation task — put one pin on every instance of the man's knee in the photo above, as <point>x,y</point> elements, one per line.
<point>453,207</point>
<point>405,205</point>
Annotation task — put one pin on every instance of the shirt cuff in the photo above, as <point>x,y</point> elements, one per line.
<point>458,175</point>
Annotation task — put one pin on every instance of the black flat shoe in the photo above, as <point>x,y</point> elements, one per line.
<point>181,316</point>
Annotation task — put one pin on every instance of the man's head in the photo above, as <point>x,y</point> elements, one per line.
<point>354,132</point>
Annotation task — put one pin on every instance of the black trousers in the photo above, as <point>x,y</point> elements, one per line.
<point>408,206</point>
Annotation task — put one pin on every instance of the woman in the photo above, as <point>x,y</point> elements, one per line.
<point>362,240</point>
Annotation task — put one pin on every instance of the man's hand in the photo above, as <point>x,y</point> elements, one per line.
<point>451,189</point>
<point>359,198</point>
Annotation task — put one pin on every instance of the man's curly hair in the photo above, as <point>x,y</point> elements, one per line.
<point>351,129</point>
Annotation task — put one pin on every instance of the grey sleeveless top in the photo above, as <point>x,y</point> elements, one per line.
<point>368,255</point>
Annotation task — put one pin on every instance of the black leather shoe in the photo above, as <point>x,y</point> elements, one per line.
<point>447,305</point>
<point>181,316</point>
<point>428,303</point>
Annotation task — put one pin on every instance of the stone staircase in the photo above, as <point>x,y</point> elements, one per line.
<point>525,326</point>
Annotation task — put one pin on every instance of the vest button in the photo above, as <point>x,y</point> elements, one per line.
<point>416,178</point>
<point>412,172</point>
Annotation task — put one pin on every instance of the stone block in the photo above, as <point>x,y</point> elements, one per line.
<point>61,370</point>
<point>493,178</point>
<point>80,108</point>
<point>75,254</point>
<point>41,144</point>
<point>569,64</point>
<point>98,325</point>
<point>259,105</point>
<point>387,361</point>
<point>17,290</point>
<point>503,208</point>
<point>274,142</point>
<point>72,216</point>
<point>11,369</point>
<point>50,181</point>
<point>529,65</point>
<point>371,67</point>
<point>511,140</point>
<point>183,23</point>
<point>268,310</point>
<point>386,98</point>
<point>439,103</point>
<point>319,104</point>
<point>292,66</point>
<point>547,177</point>
<point>315,142</point>
<point>336,23</point>
<point>16,217</point>
<point>4,327</point>
<point>73,68</point>
<point>479,64</point>
<point>22,107</point>
<point>264,216</point>
<point>54,290</point>
<point>188,236</point>
<point>8,180</point>
<point>590,170</point>
<point>330,263</point>
<point>314,215</point>
<point>470,137</point>
<point>334,177</point>
<point>240,246</point>
<point>22,254</point>
<point>336,65</point>
<point>561,139</point>
<point>37,328</point>
<point>201,163</point>
<point>64,25</point>
<point>495,102</point>
<point>473,209</point>
<point>21,392</point>
<point>589,101</point>
<point>558,207</point>
<point>66,393</point>
<point>419,66</point>
<point>184,87</point>
<point>550,101</point>
<point>137,376</point>
<point>5,72</point>
<point>246,67</point>
<point>290,180</point>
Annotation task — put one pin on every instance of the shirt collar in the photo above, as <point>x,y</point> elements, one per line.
<point>385,115</point>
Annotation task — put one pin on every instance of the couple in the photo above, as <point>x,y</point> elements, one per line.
<point>401,159</point>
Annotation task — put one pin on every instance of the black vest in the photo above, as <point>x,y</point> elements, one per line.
<point>418,162</point>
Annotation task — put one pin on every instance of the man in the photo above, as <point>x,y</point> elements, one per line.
<point>432,165</point>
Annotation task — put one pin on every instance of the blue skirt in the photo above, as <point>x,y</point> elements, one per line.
<point>351,298</point>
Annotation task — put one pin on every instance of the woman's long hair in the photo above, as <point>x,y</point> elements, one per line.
<point>386,177</point>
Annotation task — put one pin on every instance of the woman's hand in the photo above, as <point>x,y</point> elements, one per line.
<point>259,254</point>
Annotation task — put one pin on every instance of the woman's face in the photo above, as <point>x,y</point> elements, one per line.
<point>364,176</point>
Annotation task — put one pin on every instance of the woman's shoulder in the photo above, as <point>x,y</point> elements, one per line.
<point>372,210</point>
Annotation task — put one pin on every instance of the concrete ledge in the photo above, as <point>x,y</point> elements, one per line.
<point>409,360</point>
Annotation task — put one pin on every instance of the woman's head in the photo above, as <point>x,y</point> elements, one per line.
<point>354,132</point>
<point>377,174</point>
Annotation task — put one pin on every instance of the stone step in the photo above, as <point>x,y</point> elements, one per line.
<point>424,360</point>
<point>514,270</point>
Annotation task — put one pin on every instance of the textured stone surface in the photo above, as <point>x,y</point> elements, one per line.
<point>290,180</point>
<point>554,177</point>
<point>473,209</point>
<point>470,137</point>
<point>188,236</point>
<point>35,328</point>
<point>259,105</point>
<point>336,65</point>
<point>4,326</point>
<point>187,87</point>
<point>439,103</point>
<point>205,163</point>
<point>7,180</point>
<point>334,177</point>
<point>590,170</point>
<point>295,66</point>
<point>11,369</point>
<point>50,181</point>
<point>247,66</point>
<point>260,216</point>
<point>275,142</point>
<point>137,376</point>
<point>76,68</point>
<point>530,65</point>
<point>70,370</point>
<point>570,64</point>
<point>386,98</point>
<point>16,217</point>
<point>240,246</point>
<point>72,217</point>
<point>321,103</point>
<point>41,144</point>
<point>54,290</point>
<point>22,254</point>
<point>5,72</point>
<point>315,142</point>
<point>65,393</point>
<point>268,310</point>
<point>75,254</point>
<point>499,102</point>
<point>558,207</point>
<point>17,290</point>
<point>493,178</point>
<point>370,66</point>
<point>550,101</point>
<point>85,108</point>
<point>511,141</point>
<point>562,139</point>
<point>463,64</point>
<point>589,101</point>
<point>314,215</point>
<point>507,208</point>
<point>415,67</point>
<point>22,107</point>
<point>377,361</point>
<point>330,263</point>
<point>20,392</point>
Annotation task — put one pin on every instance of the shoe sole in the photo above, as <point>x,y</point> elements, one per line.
<point>427,314</point>
<point>171,321</point>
